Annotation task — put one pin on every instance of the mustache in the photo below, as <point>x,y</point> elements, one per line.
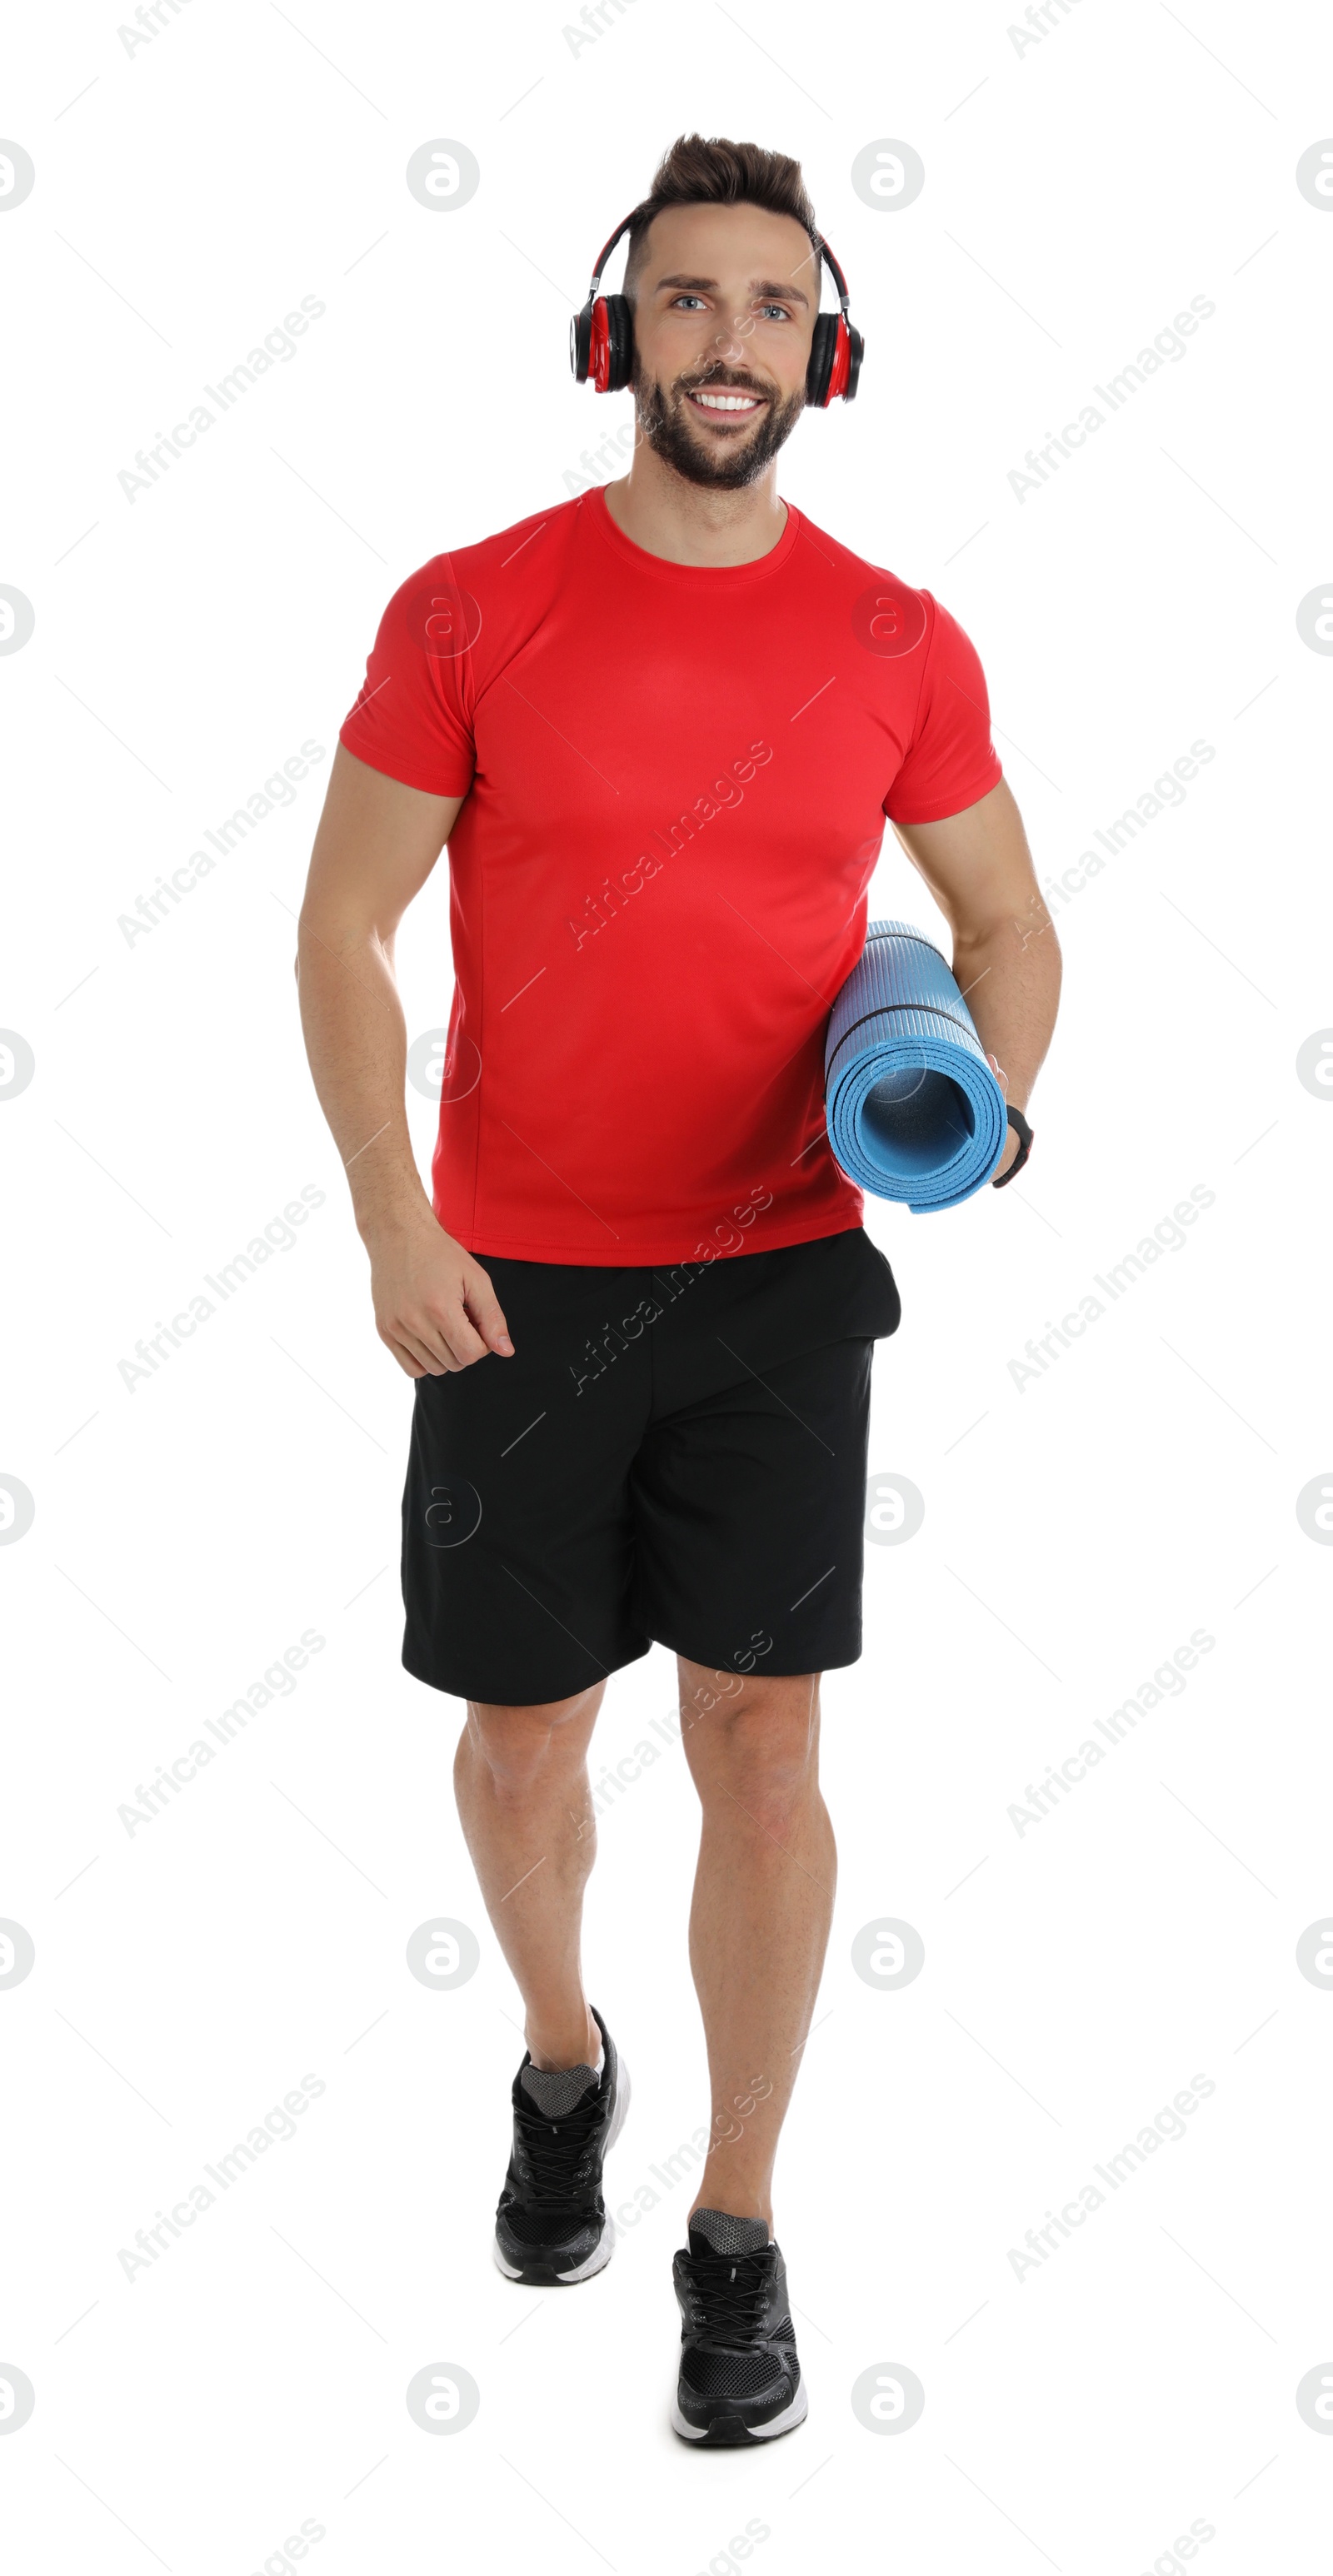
<point>716,383</point>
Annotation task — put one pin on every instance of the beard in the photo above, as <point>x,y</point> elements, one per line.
<point>664,422</point>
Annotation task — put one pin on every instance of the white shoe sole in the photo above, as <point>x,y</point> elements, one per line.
<point>605,2247</point>
<point>786,2422</point>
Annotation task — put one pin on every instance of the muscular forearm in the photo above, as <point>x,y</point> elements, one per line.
<point>356,1041</point>
<point>1009,977</point>
<point>376,845</point>
<point>1006,958</point>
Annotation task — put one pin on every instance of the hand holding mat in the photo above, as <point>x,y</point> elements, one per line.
<point>914,1110</point>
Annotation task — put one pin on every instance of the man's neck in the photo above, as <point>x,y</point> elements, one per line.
<point>687,523</point>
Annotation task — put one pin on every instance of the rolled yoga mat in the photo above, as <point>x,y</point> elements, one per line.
<point>914,1110</point>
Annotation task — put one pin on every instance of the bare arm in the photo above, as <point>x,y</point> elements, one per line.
<point>1006,958</point>
<point>376,845</point>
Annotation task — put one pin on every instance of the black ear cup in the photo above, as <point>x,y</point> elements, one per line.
<point>836,351</point>
<point>820,368</point>
<point>620,344</point>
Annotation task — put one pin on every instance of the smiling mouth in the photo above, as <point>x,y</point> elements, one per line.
<point>724,406</point>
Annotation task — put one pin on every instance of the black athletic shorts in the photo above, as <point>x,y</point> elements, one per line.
<point>674,1453</point>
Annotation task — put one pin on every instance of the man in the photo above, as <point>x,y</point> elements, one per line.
<point>660,727</point>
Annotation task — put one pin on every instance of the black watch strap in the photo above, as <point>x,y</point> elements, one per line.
<point>1024,1134</point>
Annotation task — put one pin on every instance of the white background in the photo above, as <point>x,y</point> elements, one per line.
<point>1078,194</point>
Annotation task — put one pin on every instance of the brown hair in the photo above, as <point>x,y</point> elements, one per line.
<point>710,171</point>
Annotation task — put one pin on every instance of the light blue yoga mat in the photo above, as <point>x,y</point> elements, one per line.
<point>914,1110</point>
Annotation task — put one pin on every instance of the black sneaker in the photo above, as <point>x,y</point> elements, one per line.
<point>740,2380</point>
<point>551,2223</point>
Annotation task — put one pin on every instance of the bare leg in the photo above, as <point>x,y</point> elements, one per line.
<point>763,1900</point>
<point>521,1780</point>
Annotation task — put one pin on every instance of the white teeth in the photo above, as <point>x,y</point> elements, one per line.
<point>727,402</point>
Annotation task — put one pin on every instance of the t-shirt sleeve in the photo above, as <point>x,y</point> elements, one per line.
<point>413,712</point>
<point>950,761</point>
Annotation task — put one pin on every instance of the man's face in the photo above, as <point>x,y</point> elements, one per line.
<point>724,314</point>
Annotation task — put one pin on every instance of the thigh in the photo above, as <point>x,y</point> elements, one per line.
<point>749,1516</point>
<point>518,1540</point>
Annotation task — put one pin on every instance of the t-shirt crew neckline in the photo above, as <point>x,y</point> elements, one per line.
<point>712,577</point>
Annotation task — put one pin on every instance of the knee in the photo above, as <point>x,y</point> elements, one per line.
<point>759,1755</point>
<point>519,1747</point>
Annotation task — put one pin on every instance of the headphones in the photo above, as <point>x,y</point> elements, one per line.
<point>601,338</point>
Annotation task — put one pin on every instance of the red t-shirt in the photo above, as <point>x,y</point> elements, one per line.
<point>676,779</point>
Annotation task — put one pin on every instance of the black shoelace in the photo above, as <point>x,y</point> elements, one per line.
<point>553,2151</point>
<point>733,2289</point>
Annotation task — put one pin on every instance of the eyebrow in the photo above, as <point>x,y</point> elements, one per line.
<point>764,288</point>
